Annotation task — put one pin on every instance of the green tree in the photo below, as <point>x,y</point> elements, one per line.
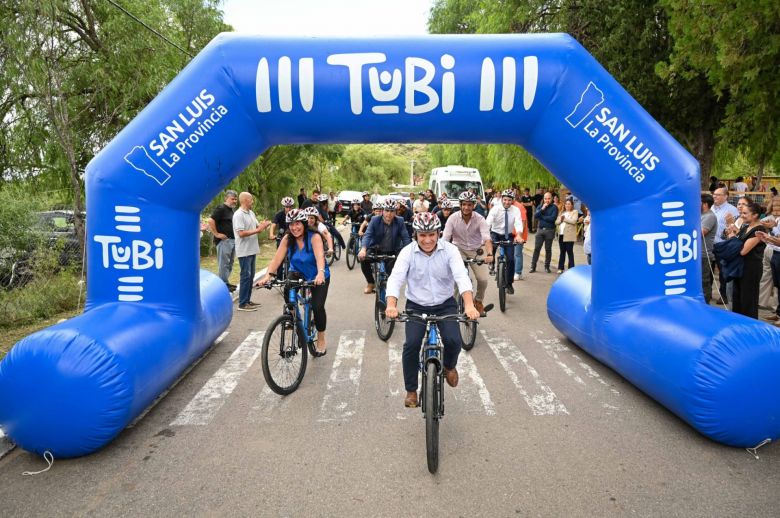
<point>736,46</point>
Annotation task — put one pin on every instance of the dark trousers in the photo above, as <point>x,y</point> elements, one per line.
<point>706,278</point>
<point>415,332</point>
<point>722,284</point>
<point>544,236</point>
<point>775,264</point>
<point>744,298</point>
<point>247,265</point>
<point>509,253</point>
<point>567,249</point>
<point>529,214</point>
<point>365,267</point>
<point>318,296</point>
<point>336,234</point>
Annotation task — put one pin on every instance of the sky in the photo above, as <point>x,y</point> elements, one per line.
<point>328,17</point>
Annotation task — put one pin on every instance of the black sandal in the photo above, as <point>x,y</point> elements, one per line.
<point>319,354</point>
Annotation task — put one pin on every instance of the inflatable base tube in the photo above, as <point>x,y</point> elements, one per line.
<point>85,381</point>
<point>719,375</point>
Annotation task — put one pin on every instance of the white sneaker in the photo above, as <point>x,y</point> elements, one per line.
<point>517,277</point>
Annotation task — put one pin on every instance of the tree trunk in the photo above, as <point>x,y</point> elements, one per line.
<point>704,151</point>
<point>760,173</point>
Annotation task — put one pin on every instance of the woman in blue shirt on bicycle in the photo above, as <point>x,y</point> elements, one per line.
<point>305,249</point>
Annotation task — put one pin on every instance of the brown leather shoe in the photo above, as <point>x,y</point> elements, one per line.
<point>411,400</point>
<point>451,375</point>
<point>369,289</point>
<point>479,307</point>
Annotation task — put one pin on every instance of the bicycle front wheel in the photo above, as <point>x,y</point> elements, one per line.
<point>351,253</point>
<point>384,326</point>
<point>337,249</point>
<point>283,356</point>
<point>432,399</point>
<point>468,330</point>
<point>501,281</point>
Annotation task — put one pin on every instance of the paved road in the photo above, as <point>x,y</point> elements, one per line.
<point>536,428</point>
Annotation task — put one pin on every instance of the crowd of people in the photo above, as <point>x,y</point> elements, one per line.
<point>429,236</point>
<point>741,243</point>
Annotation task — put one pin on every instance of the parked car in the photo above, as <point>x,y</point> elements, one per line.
<point>53,230</point>
<point>345,200</point>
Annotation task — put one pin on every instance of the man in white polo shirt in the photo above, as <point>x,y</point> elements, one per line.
<point>721,208</point>
<point>246,228</point>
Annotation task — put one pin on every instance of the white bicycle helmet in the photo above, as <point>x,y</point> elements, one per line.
<point>322,197</point>
<point>295,215</point>
<point>509,193</point>
<point>426,222</point>
<point>287,202</point>
<point>311,211</point>
<point>467,196</point>
<point>356,201</point>
<point>389,204</point>
<point>445,204</point>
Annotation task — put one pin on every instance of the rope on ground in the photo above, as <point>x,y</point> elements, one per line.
<point>754,450</point>
<point>49,458</point>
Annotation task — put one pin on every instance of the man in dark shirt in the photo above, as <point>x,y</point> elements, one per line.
<point>221,226</point>
<point>385,235</point>
<point>301,198</point>
<point>528,202</point>
<point>545,215</point>
<point>313,201</point>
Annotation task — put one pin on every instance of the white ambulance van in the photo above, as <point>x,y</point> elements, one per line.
<point>454,179</point>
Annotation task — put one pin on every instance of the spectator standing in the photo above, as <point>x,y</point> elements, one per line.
<point>538,198</point>
<point>221,226</point>
<point>721,207</point>
<point>713,183</point>
<point>709,227</point>
<point>519,244</point>
<point>312,201</point>
<point>745,294</point>
<point>528,202</point>
<point>740,185</point>
<point>773,243</point>
<point>773,205</point>
<point>567,233</point>
<point>545,215</point>
<point>301,197</point>
<point>586,245</point>
<point>246,228</point>
<point>366,204</point>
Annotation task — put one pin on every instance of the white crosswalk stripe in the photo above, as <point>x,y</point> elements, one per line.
<point>340,396</point>
<point>395,382</point>
<point>554,345</point>
<point>207,402</point>
<point>543,401</point>
<point>471,389</point>
<point>341,392</point>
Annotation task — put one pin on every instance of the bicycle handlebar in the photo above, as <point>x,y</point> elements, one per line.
<point>425,318</point>
<point>293,283</point>
<point>379,257</point>
<point>504,243</point>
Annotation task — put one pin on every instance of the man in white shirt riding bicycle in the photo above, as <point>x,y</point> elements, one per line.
<point>429,267</point>
<point>503,218</point>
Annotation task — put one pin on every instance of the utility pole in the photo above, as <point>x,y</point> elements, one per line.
<point>411,173</point>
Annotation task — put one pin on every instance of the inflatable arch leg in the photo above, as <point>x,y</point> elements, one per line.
<point>72,388</point>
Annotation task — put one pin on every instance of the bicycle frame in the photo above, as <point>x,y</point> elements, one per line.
<point>297,301</point>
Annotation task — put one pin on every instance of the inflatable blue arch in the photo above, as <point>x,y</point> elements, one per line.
<point>151,312</point>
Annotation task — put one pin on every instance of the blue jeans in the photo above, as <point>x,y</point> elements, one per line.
<point>519,258</point>
<point>226,252</point>
<point>247,265</point>
<point>415,332</point>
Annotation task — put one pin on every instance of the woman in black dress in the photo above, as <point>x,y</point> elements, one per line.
<point>745,298</point>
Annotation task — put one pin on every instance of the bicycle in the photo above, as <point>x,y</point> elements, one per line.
<point>353,246</point>
<point>335,255</point>
<point>384,326</point>
<point>468,328</point>
<point>432,367</point>
<point>289,338</point>
<point>501,269</point>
